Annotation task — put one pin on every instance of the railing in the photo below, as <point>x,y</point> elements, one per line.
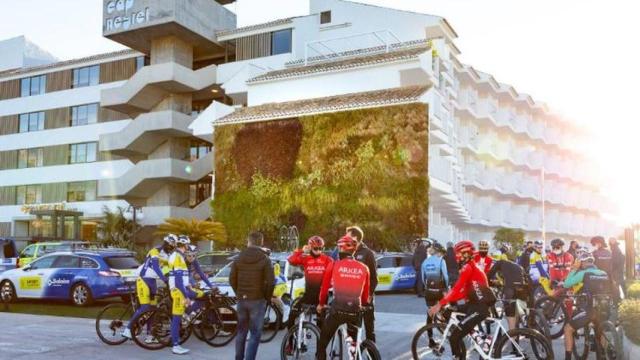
<point>330,49</point>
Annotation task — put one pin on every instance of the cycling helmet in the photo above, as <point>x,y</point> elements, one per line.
<point>183,239</point>
<point>191,250</point>
<point>555,243</point>
<point>586,258</point>
<point>464,246</point>
<point>505,248</point>
<point>483,245</point>
<point>538,244</point>
<point>438,247</point>
<point>171,239</point>
<point>316,242</point>
<point>347,244</point>
<point>597,240</point>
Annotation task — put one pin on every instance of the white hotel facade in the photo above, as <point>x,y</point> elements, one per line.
<point>135,126</point>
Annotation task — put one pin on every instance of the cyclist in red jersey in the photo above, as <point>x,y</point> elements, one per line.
<point>482,258</point>
<point>559,262</point>
<point>473,287</point>
<point>315,264</point>
<point>350,281</point>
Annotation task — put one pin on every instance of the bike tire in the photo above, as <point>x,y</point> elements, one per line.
<point>369,351</point>
<point>208,327</point>
<point>227,330</point>
<point>336,346</point>
<point>159,327</point>
<point>540,345</point>
<point>114,324</point>
<point>272,323</point>
<point>307,328</point>
<point>555,311</point>
<point>420,349</point>
<point>540,322</point>
<point>612,349</point>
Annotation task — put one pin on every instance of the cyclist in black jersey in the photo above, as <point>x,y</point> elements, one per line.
<point>515,286</point>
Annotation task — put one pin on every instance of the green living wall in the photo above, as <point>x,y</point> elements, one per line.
<point>324,172</point>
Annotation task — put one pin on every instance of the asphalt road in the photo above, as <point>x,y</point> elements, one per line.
<point>398,316</point>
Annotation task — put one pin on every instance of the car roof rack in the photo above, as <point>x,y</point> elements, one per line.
<point>93,248</point>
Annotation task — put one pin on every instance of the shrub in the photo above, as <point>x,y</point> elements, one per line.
<point>629,312</point>
<point>633,291</point>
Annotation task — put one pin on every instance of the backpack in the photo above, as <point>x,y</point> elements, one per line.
<point>597,287</point>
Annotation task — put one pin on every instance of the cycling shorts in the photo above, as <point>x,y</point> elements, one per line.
<point>179,302</point>
<point>146,289</point>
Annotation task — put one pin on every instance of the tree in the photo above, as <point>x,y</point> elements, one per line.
<point>513,237</point>
<point>196,230</point>
<point>114,229</point>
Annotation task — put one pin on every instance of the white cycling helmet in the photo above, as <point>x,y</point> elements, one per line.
<point>192,249</point>
<point>183,239</point>
<point>171,239</point>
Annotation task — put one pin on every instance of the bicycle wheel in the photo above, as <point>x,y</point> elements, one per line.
<point>438,347</point>
<point>523,344</point>
<point>111,321</point>
<point>304,347</point>
<point>227,325</point>
<point>207,325</point>
<point>582,342</point>
<point>152,330</point>
<point>556,314</point>
<point>166,317</point>
<point>336,346</point>
<point>535,320</point>
<point>609,343</point>
<point>369,351</point>
<point>272,323</point>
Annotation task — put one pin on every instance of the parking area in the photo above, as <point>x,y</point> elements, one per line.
<point>399,315</point>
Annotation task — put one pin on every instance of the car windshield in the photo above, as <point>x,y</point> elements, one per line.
<point>122,262</point>
<point>224,272</point>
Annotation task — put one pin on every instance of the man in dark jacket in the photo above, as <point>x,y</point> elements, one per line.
<point>617,270</point>
<point>367,257</point>
<point>252,280</point>
<point>419,255</point>
<point>602,255</point>
<point>452,264</point>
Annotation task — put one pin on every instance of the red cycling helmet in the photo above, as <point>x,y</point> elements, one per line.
<point>347,244</point>
<point>464,246</point>
<point>316,242</point>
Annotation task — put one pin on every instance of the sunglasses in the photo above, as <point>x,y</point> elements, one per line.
<point>316,249</point>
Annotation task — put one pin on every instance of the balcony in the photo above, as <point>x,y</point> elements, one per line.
<point>148,176</point>
<point>151,84</point>
<point>440,168</point>
<point>145,133</point>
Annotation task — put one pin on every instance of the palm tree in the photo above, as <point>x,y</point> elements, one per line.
<point>114,229</point>
<point>196,230</point>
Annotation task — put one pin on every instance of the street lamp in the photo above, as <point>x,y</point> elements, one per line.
<point>133,213</point>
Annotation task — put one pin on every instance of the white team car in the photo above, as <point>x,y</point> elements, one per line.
<point>395,272</point>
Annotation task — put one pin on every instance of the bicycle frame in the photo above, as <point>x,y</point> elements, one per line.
<point>359,337</point>
<point>453,321</point>
<point>305,316</point>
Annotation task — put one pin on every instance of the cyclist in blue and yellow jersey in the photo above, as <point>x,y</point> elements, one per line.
<point>536,269</point>
<point>146,284</point>
<point>194,269</point>
<point>181,290</point>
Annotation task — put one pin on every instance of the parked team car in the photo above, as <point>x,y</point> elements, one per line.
<point>34,251</point>
<point>80,276</point>
<point>395,272</point>
<point>211,262</point>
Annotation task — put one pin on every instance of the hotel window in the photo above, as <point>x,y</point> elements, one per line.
<point>86,76</point>
<point>199,192</point>
<point>198,149</point>
<point>34,85</point>
<point>29,194</point>
<point>281,42</point>
<point>141,61</point>
<point>82,153</point>
<point>84,114</point>
<point>81,191</point>
<point>325,17</point>
<point>31,122</point>
<point>28,158</point>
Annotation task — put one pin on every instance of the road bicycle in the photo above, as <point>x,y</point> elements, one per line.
<point>598,335</point>
<point>355,349</point>
<point>301,341</point>
<point>288,238</point>
<point>520,343</point>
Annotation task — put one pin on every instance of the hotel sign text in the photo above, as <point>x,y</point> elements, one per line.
<point>120,16</point>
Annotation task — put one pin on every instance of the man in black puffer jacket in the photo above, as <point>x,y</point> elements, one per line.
<point>252,280</point>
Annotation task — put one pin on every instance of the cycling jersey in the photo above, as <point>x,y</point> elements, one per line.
<point>194,268</point>
<point>472,285</point>
<point>314,270</point>
<point>559,265</point>
<point>350,280</point>
<point>153,263</point>
<point>178,273</point>
<point>483,262</point>
<point>511,273</point>
<point>536,267</point>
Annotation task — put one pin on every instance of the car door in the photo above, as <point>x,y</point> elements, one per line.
<point>32,281</point>
<point>64,269</point>
<point>405,274</point>
<point>386,270</point>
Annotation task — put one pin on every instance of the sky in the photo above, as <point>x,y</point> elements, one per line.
<point>579,56</point>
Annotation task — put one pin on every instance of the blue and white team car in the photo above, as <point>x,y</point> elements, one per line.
<point>395,272</point>
<point>79,276</point>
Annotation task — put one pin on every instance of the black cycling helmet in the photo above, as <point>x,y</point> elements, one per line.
<point>556,243</point>
<point>505,248</point>
<point>438,247</point>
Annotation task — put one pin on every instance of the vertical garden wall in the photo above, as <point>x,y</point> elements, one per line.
<point>323,172</point>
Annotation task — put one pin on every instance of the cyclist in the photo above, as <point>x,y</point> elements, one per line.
<point>514,284</point>
<point>482,258</point>
<point>601,254</point>
<point>585,272</point>
<point>350,281</point>
<point>146,285</point>
<point>473,287</point>
<point>194,269</point>
<point>181,290</point>
<point>435,279</point>
<point>536,264</point>
<point>315,264</point>
<point>559,262</point>
<point>524,259</point>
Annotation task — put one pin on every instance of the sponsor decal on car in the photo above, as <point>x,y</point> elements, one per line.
<point>385,279</point>
<point>30,283</point>
<point>58,282</point>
